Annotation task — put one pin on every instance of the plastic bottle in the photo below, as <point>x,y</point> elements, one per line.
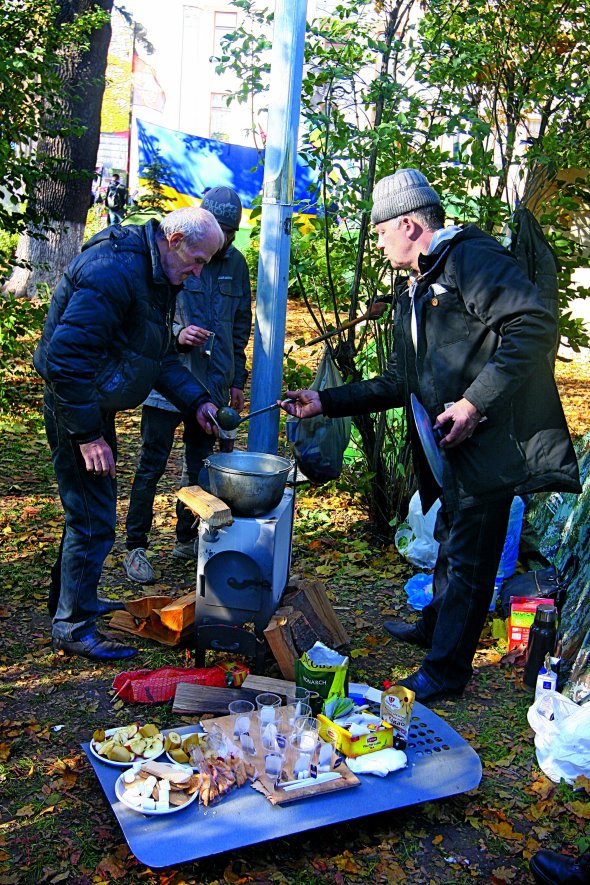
<point>542,637</point>
<point>509,557</point>
<point>547,678</point>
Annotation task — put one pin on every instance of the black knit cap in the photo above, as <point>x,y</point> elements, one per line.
<point>225,205</point>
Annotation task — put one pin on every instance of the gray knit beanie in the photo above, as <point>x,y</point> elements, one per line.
<point>400,194</point>
<point>225,205</point>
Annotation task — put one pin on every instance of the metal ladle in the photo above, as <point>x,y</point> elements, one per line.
<point>229,419</point>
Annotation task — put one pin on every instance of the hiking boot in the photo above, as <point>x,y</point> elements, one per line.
<point>137,567</point>
<point>186,549</point>
<point>425,690</point>
<point>551,868</point>
<point>94,646</point>
<point>410,633</point>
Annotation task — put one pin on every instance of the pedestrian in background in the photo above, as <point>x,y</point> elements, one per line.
<point>212,326</point>
<point>116,200</point>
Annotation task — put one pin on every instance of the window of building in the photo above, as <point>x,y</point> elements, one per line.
<point>219,117</point>
<point>225,22</point>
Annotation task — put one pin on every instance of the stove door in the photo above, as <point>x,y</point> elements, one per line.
<point>231,589</point>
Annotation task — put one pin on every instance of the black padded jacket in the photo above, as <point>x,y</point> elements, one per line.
<point>108,336</point>
<point>482,334</point>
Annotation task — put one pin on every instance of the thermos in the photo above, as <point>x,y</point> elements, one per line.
<point>542,639</point>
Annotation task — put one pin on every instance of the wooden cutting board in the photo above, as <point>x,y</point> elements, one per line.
<point>265,785</point>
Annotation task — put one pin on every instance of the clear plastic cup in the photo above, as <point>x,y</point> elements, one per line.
<point>242,710</point>
<point>267,704</point>
<point>295,711</point>
<point>298,694</point>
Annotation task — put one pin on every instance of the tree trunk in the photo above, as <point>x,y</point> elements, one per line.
<point>65,199</point>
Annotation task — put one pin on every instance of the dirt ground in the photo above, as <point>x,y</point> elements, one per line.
<point>55,825</point>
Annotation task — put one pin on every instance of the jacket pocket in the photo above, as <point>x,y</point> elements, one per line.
<point>124,384</point>
<point>444,316</point>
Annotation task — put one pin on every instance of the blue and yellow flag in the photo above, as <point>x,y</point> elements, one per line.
<point>193,164</point>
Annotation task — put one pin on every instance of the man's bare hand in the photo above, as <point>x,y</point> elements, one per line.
<point>205,415</point>
<point>457,422</point>
<point>302,403</point>
<point>193,336</point>
<point>98,458</point>
<point>236,399</point>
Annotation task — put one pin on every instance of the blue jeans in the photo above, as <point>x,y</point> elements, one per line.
<point>471,543</point>
<point>89,504</point>
<point>158,427</point>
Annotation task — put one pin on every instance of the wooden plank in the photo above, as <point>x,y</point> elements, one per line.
<point>304,636</point>
<point>318,598</point>
<point>214,512</point>
<point>194,699</point>
<point>143,607</point>
<point>179,614</point>
<point>299,599</point>
<point>267,683</point>
<point>124,622</point>
<point>278,636</point>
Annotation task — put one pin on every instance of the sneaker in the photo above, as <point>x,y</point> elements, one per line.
<point>137,567</point>
<point>186,549</point>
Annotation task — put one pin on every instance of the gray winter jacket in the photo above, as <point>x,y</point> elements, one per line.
<point>108,335</point>
<point>220,300</point>
<point>482,334</point>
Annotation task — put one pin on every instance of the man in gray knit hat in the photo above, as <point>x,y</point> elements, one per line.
<point>471,342</point>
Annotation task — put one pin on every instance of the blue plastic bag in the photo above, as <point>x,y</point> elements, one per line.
<point>419,590</point>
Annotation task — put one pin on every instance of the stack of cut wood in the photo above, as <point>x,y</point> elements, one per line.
<point>162,618</point>
<point>304,618</point>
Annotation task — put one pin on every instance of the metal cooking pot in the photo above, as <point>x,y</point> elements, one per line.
<point>251,483</point>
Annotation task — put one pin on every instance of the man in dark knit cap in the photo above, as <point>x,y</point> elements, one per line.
<point>212,326</point>
<point>471,342</point>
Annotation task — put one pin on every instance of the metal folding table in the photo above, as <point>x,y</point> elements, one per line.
<point>440,763</point>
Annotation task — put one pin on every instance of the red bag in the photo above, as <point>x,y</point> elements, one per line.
<point>156,686</point>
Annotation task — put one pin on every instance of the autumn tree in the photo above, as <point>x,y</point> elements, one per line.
<point>61,107</point>
<point>488,98</point>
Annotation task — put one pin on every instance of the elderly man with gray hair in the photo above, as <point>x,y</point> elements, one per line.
<point>107,342</point>
<point>471,342</point>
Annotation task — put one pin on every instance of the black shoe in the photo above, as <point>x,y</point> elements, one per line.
<point>551,868</point>
<point>425,690</point>
<point>407,633</point>
<point>95,646</point>
<point>105,606</point>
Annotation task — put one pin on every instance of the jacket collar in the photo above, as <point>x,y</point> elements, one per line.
<point>150,229</point>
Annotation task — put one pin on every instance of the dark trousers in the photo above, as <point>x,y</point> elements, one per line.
<point>89,504</point>
<point>471,543</point>
<point>158,427</point>
<point>116,216</point>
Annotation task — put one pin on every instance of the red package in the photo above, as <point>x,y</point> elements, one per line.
<point>156,686</point>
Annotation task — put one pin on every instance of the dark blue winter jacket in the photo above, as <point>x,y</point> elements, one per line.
<point>108,336</point>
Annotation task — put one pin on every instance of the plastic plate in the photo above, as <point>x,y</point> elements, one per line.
<point>120,794</point>
<point>115,764</point>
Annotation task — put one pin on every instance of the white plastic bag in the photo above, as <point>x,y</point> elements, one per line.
<point>562,736</point>
<point>415,540</point>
